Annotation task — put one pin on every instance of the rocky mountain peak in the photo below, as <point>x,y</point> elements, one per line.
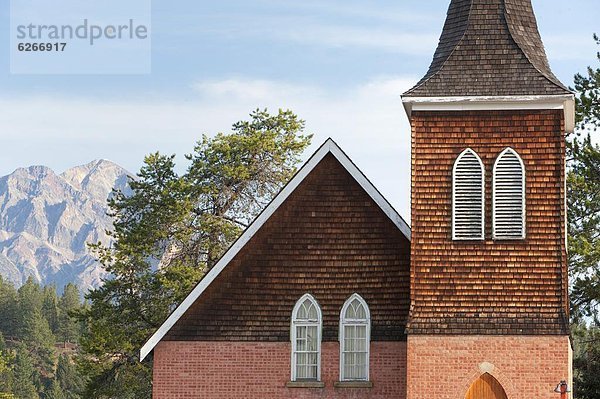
<point>47,220</point>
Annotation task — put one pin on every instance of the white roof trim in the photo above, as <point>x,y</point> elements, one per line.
<point>565,102</point>
<point>329,147</point>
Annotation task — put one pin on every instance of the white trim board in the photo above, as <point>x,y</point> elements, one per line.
<point>329,147</point>
<point>566,102</point>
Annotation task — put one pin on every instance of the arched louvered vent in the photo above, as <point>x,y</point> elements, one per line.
<point>509,196</point>
<point>468,197</point>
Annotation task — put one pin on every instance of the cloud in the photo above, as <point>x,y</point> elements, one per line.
<point>367,120</point>
<point>321,30</point>
<point>252,90</point>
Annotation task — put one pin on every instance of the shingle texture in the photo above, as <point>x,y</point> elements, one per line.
<point>489,48</point>
<point>510,287</point>
<point>329,239</point>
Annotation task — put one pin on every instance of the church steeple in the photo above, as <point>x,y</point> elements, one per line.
<point>489,48</point>
<point>489,277</point>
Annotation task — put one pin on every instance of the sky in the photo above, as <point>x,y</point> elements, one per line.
<point>341,65</point>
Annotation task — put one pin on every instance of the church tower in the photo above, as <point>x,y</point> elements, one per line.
<point>489,284</point>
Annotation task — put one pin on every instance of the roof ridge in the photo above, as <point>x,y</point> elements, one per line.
<point>328,147</point>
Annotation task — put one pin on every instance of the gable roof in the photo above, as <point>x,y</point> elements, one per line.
<point>489,48</point>
<point>329,147</point>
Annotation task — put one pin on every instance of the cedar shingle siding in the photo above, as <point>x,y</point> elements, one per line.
<point>488,287</point>
<point>330,239</point>
<point>489,48</point>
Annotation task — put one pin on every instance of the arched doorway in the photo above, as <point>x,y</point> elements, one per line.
<point>486,387</point>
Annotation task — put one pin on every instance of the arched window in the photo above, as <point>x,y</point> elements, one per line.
<point>468,193</point>
<point>509,196</point>
<point>306,340</point>
<point>355,338</point>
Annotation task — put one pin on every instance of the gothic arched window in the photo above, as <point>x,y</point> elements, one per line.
<point>306,339</point>
<point>509,196</point>
<point>355,337</point>
<point>468,197</point>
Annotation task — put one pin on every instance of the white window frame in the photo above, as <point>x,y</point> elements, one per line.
<point>524,203</point>
<point>456,162</point>
<point>355,322</point>
<point>293,334</point>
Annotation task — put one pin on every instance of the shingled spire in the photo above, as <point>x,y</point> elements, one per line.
<point>489,48</point>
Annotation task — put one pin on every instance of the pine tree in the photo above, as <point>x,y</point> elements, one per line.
<point>6,369</point>
<point>8,309</point>
<point>34,331</point>
<point>583,195</point>
<point>173,229</point>
<point>68,378</point>
<point>24,376</point>
<point>50,307</point>
<point>583,185</point>
<point>55,391</point>
<point>586,361</point>
<point>69,327</point>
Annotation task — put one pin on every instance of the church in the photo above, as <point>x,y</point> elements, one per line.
<point>330,294</point>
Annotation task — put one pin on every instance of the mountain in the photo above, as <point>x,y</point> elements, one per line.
<point>47,219</point>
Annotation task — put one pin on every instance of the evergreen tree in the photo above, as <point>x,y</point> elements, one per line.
<point>68,378</point>
<point>587,87</point>
<point>34,331</point>
<point>6,369</point>
<point>24,376</point>
<point>583,183</point>
<point>55,391</point>
<point>8,309</point>
<point>170,231</point>
<point>50,307</point>
<point>586,361</point>
<point>27,363</point>
<point>68,326</point>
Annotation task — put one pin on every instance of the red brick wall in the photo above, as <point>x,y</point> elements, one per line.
<point>211,370</point>
<point>527,367</point>
<point>488,287</point>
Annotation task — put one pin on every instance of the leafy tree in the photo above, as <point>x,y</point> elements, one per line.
<point>170,231</point>
<point>68,326</point>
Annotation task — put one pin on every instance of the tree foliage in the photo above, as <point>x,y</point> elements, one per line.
<point>583,183</point>
<point>25,377</point>
<point>171,230</point>
<point>29,367</point>
<point>586,361</point>
<point>587,87</point>
<point>69,328</point>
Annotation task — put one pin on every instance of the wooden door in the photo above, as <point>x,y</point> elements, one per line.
<point>486,387</point>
